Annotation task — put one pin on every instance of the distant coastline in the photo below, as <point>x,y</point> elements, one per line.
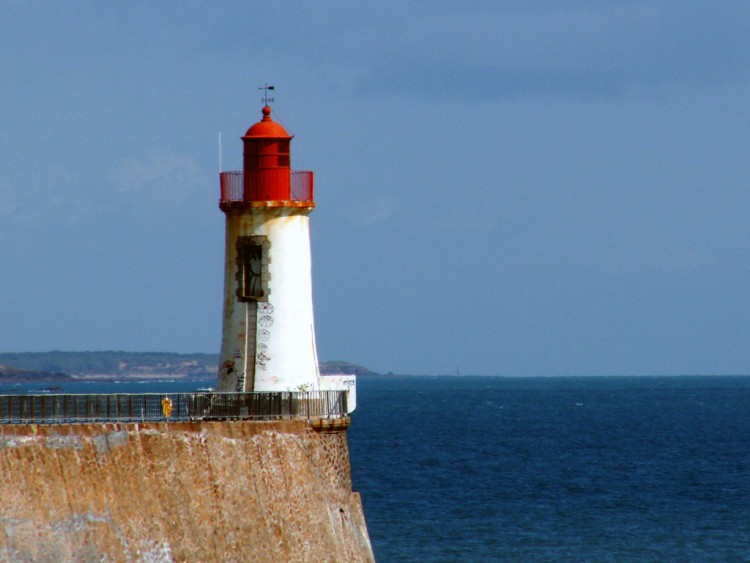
<point>58,366</point>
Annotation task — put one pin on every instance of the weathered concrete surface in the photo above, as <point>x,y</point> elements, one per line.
<point>217,491</point>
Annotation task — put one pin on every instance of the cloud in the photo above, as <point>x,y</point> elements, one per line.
<point>585,49</point>
<point>161,176</point>
<point>375,210</point>
<point>490,50</point>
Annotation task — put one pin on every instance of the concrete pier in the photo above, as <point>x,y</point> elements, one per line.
<point>208,491</point>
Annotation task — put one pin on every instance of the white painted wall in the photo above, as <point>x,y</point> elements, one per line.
<point>231,375</point>
<point>339,382</point>
<point>271,346</point>
<point>285,351</point>
<point>289,341</point>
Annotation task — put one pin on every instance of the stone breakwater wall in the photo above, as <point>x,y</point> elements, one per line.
<point>215,491</point>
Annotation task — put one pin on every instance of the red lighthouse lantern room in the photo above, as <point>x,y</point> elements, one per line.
<point>267,178</point>
<point>267,161</point>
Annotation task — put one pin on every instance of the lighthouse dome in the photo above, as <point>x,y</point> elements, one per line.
<point>267,127</point>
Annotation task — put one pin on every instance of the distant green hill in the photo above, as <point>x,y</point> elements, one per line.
<point>123,364</point>
<point>337,367</point>
<point>51,365</point>
<point>14,375</point>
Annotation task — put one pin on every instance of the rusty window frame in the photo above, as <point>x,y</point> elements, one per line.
<point>252,268</point>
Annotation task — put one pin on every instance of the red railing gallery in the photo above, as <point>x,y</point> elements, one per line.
<point>234,184</point>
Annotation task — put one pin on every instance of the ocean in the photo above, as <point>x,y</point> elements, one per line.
<point>545,469</point>
<point>554,469</point>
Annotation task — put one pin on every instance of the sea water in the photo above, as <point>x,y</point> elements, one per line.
<point>554,469</point>
<point>544,469</point>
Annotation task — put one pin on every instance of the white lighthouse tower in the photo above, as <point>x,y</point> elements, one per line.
<point>268,341</point>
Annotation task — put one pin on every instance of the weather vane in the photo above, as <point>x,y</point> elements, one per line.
<point>265,98</point>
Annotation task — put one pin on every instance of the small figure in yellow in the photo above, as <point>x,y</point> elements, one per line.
<point>166,406</point>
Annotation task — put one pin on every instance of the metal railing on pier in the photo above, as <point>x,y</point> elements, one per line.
<point>65,409</point>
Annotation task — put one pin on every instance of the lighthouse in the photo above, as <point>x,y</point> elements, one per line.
<point>268,339</point>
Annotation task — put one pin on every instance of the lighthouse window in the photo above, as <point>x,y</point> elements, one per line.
<point>252,270</point>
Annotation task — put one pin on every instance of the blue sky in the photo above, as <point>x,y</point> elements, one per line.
<point>516,188</point>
